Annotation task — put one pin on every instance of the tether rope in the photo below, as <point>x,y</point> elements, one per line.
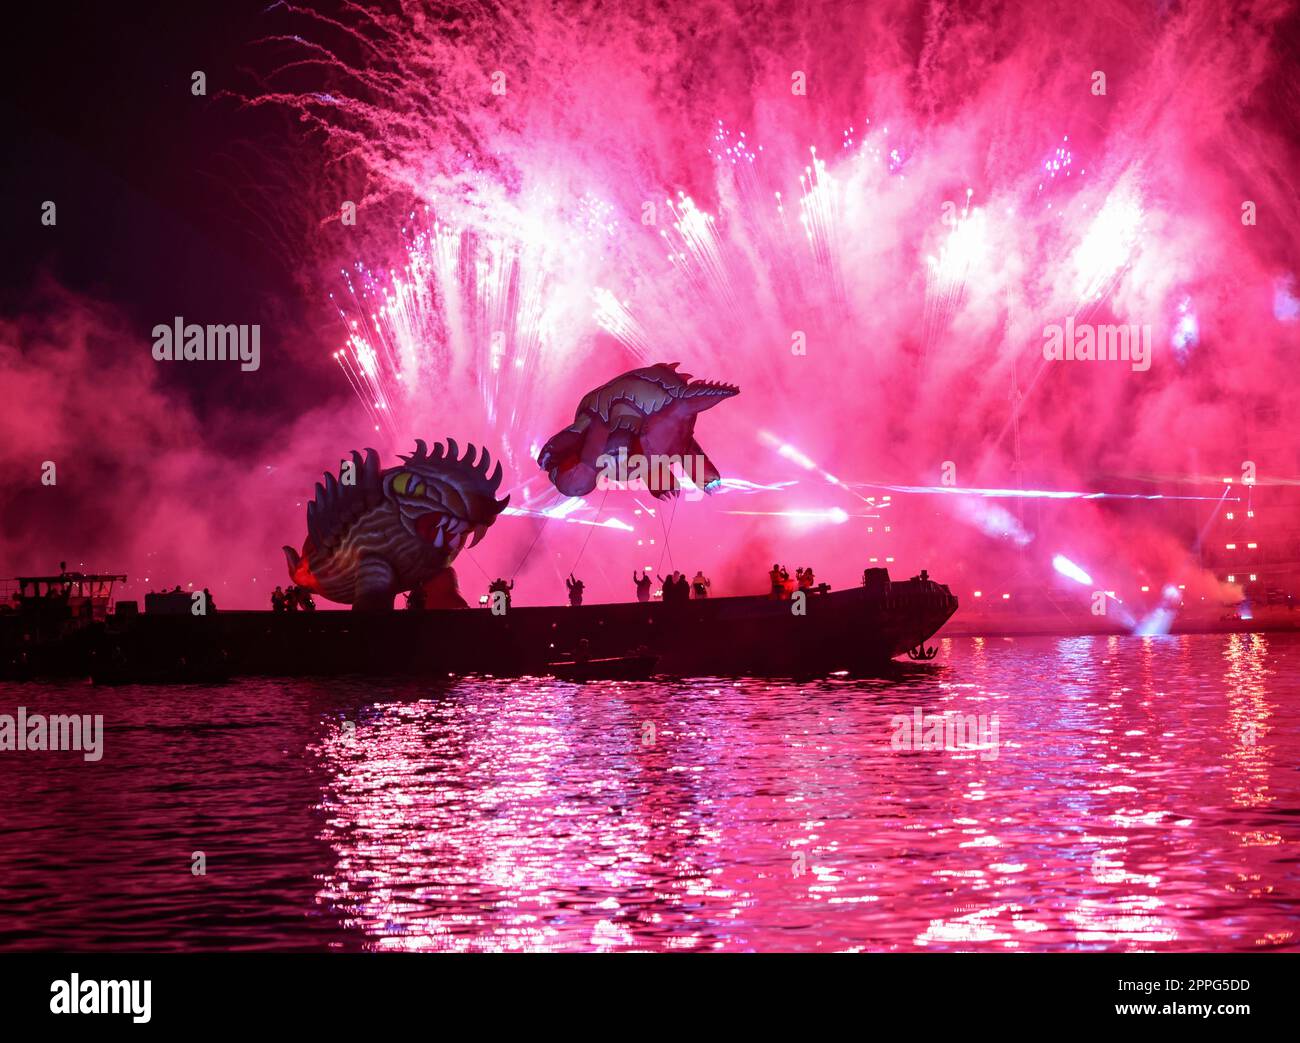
<point>541,529</point>
<point>591,530</point>
<point>667,546</point>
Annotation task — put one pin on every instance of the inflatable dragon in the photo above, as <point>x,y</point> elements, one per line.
<point>648,413</point>
<point>384,532</point>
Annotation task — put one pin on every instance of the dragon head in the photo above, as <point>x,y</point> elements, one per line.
<point>444,499</point>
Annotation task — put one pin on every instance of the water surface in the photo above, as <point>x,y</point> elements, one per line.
<point>1141,794</point>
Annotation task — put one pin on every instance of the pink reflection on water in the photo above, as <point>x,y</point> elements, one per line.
<point>1138,800</point>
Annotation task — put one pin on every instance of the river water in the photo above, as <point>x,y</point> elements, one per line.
<point>1111,794</point>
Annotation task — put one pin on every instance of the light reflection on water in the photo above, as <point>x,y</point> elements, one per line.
<point>1144,795</point>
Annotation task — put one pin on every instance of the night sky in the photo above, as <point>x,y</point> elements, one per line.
<point>157,190</point>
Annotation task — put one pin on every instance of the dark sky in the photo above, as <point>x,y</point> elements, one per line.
<point>163,205</point>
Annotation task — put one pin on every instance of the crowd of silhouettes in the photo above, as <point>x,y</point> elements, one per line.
<point>675,589</point>
<point>781,584</point>
<point>292,600</point>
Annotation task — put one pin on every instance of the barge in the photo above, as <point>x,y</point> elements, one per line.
<point>855,630</point>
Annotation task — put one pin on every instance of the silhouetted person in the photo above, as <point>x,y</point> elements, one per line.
<point>415,600</point>
<point>805,577</point>
<point>500,586</point>
<point>778,584</point>
<point>575,590</point>
<point>278,600</point>
<point>207,599</point>
<point>582,653</point>
<point>642,585</point>
<point>700,585</point>
<point>668,589</point>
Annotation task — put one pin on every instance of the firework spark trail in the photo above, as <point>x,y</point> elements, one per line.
<point>1106,250</point>
<point>613,316</point>
<point>819,213</point>
<point>697,251</point>
<point>945,287</point>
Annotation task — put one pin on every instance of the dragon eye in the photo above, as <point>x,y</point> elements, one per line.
<point>402,481</point>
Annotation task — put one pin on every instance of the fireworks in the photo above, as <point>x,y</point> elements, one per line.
<point>595,194</point>
<point>1107,247</point>
<point>963,249</point>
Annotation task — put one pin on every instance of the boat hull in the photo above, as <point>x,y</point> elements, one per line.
<point>840,630</point>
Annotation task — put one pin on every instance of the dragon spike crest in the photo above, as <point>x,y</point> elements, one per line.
<point>451,455</point>
<point>710,389</point>
<point>335,504</point>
